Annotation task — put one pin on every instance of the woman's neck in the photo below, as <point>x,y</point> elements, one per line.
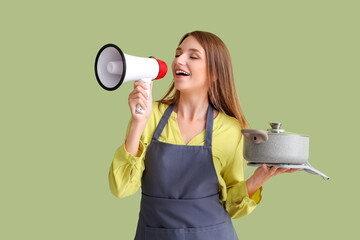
<point>192,107</point>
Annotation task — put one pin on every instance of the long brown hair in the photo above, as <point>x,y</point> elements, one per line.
<point>222,91</point>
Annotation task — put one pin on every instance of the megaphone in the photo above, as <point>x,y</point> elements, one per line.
<point>113,67</point>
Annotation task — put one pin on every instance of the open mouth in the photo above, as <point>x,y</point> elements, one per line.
<point>182,73</point>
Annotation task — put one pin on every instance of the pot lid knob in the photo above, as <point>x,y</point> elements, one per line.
<point>275,128</point>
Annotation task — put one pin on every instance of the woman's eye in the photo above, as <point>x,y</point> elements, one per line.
<point>193,57</point>
<point>177,55</point>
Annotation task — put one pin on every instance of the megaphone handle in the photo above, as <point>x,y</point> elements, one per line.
<point>147,81</point>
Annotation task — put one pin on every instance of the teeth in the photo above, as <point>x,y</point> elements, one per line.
<point>182,73</point>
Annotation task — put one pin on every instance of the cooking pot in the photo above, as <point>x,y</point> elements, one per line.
<point>276,147</point>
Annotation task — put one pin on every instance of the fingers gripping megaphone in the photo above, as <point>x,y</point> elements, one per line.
<point>113,67</point>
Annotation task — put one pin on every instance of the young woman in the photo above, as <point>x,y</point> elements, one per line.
<point>186,150</point>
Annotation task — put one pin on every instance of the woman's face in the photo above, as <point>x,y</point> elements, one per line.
<point>189,67</point>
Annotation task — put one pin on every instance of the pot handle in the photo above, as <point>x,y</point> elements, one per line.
<point>254,135</point>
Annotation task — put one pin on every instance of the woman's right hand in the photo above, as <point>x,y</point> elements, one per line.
<point>139,96</point>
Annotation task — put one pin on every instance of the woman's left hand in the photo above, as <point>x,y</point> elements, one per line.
<point>264,173</point>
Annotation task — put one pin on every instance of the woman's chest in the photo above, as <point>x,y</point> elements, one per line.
<point>190,129</point>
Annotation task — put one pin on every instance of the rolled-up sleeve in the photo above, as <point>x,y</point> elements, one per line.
<point>238,202</point>
<point>126,170</point>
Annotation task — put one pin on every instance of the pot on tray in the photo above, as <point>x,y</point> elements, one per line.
<point>275,146</point>
<point>278,148</point>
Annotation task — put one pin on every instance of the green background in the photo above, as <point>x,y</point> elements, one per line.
<point>296,62</point>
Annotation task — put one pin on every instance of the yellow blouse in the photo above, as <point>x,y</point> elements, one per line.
<point>126,170</point>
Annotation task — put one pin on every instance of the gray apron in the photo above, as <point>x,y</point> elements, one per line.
<point>180,191</point>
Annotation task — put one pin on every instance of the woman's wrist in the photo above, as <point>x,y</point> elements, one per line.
<point>133,139</point>
<point>138,123</point>
<point>252,186</point>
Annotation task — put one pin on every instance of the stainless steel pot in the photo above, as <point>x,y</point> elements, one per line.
<point>275,146</point>
<point>278,148</point>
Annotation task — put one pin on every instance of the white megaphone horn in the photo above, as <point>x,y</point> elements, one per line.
<point>113,67</point>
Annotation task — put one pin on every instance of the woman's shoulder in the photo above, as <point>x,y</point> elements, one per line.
<point>226,137</point>
<point>227,129</point>
<point>158,107</point>
<point>227,123</point>
<point>157,112</point>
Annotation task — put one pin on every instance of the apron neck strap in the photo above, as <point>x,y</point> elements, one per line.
<point>163,122</point>
<point>209,126</point>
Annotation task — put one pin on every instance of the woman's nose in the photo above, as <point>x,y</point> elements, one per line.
<point>180,60</point>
